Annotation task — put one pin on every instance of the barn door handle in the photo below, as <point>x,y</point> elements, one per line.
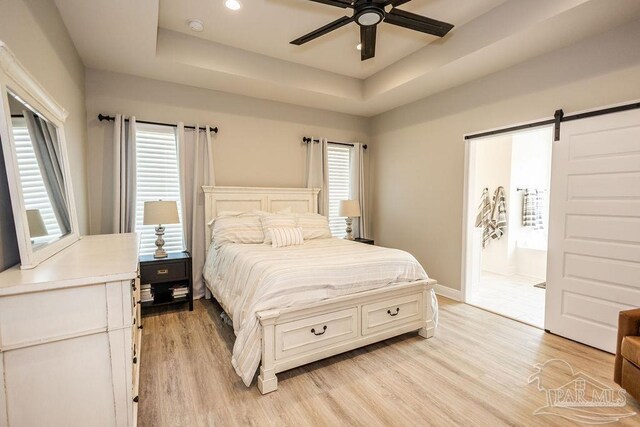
<point>324,329</point>
<point>394,314</point>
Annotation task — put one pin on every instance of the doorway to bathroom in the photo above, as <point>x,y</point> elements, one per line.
<point>508,186</point>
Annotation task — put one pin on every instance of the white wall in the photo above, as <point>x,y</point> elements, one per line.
<point>514,160</point>
<point>259,143</point>
<point>493,169</point>
<point>531,168</point>
<point>35,33</point>
<point>418,161</point>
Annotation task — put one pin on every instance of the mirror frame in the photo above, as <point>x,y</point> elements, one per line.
<point>16,79</point>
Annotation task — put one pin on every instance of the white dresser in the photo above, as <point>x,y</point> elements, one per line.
<point>70,337</point>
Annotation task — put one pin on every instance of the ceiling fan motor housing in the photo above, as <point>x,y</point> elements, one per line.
<point>369,14</point>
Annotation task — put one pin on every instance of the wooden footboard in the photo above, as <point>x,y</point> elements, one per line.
<point>293,337</point>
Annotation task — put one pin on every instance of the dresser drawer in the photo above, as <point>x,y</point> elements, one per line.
<point>381,315</point>
<point>314,332</point>
<point>163,272</point>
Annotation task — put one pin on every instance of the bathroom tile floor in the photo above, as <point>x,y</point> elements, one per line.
<point>510,296</point>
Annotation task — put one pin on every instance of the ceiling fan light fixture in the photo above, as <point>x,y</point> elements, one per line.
<point>369,15</point>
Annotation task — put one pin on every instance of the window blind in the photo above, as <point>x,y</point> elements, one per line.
<point>33,189</point>
<point>339,160</point>
<point>157,179</point>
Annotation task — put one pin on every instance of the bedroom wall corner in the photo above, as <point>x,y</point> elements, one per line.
<point>36,34</point>
<point>418,170</point>
<point>259,143</point>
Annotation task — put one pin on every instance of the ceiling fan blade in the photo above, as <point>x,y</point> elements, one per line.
<point>417,22</point>
<point>395,3</point>
<point>337,3</point>
<point>323,30</point>
<point>368,42</point>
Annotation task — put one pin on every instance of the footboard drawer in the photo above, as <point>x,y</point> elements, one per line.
<point>386,314</point>
<point>312,333</point>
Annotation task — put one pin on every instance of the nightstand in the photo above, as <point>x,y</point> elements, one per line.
<point>365,241</point>
<point>166,281</point>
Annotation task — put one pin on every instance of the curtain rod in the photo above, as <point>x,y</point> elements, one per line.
<point>102,117</point>
<point>307,140</point>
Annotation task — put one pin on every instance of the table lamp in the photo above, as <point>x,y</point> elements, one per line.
<point>349,209</point>
<point>36,223</point>
<point>160,212</point>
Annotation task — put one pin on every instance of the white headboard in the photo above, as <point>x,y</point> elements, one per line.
<point>240,199</point>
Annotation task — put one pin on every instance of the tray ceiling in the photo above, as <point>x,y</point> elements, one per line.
<point>248,52</point>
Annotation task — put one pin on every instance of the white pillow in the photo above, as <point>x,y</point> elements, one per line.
<point>285,236</point>
<point>276,221</point>
<point>237,229</point>
<point>314,226</point>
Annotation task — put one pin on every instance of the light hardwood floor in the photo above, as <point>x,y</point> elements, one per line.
<point>473,372</point>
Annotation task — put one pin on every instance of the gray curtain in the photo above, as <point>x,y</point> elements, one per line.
<point>44,138</point>
<point>195,160</point>
<point>124,163</point>
<point>318,172</point>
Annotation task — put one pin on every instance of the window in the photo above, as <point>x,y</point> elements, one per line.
<point>157,179</point>
<point>339,161</point>
<point>34,192</point>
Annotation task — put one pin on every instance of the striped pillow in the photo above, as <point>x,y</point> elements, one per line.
<point>314,226</point>
<point>285,236</point>
<point>237,229</point>
<point>276,221</point>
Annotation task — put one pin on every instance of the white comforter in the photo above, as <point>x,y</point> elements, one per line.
<point>248,278</point>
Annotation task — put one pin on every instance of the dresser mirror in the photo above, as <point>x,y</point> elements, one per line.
<point>36,164</point>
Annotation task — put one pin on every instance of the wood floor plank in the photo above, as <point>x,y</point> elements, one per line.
<point>473,372</point>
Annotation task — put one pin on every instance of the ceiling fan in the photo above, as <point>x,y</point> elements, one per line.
<point>368,14</point>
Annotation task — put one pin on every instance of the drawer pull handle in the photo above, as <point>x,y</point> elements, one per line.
<point>135,360</point>
<point>394,314</point>
<point>163,271</point>
<point>136,399</point>
<point>324,329</point>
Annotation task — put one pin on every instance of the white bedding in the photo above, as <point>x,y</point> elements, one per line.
<point>248,278</point>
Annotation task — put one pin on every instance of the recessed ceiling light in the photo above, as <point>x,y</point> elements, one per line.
<point>196,25</point>
<point>359,46</point>
<point>232,4</point>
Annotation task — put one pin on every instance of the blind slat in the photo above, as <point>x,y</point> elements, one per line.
<point>157,179</point>
<point>34,192</point>
<point>339,163</point>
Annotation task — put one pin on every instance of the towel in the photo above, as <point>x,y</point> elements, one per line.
<point>532,207</point>
<point>483,220</point>
<point>498,214</point>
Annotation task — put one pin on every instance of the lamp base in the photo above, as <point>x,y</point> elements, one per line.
<point>349,230</point>
<point>160,252</point>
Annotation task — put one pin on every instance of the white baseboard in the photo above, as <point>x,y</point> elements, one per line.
<point>448,292</point>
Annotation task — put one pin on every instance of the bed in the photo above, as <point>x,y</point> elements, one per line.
<point>294,305</point>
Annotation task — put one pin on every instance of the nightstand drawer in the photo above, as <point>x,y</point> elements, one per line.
<point>160,272</point>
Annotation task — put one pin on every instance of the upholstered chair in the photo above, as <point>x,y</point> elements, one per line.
<point>627,367</point>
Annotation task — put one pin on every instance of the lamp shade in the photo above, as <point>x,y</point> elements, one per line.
<point>349,208</point>
<point>160,212</point>
<point>36,223</point>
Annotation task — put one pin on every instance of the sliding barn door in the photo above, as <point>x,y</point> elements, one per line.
<point>594,232</point>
